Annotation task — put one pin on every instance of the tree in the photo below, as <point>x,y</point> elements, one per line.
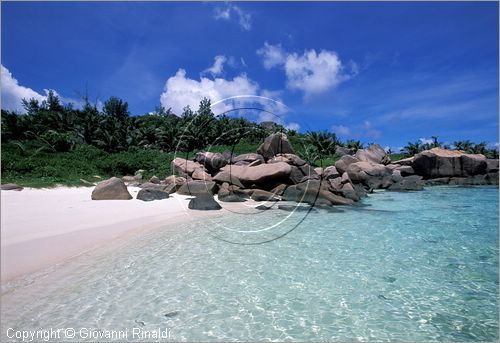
<point>324,142</point>
<point>116,108</point>
<point>53,102</point>
<point>413,148</point>
<point>354,145</point>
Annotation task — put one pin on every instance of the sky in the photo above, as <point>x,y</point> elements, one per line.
<point>386,72</point>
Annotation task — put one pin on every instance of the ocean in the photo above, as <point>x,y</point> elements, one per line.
<point>410,266</point>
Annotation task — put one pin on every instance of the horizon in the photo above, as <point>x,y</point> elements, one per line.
<point>428,69</point>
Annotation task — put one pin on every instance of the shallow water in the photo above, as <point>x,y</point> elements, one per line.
<point>419,266</point>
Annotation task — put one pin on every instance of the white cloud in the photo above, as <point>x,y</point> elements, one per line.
<point>13,92</point>
<point>181,91</point>
<point>229,11</point>
<point>363,130</point>
<point>341,130</point>
<point>272,55</point>
<point>218,66</point>
<point>293,126</point>
<point>311,72</point>
<point>426,140</point>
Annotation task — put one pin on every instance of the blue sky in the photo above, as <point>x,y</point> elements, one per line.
<point>384,72</point>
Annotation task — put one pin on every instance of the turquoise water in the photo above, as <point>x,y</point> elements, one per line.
<point>419,266</point>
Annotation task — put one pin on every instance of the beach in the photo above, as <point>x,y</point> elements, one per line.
<point>41,227</point>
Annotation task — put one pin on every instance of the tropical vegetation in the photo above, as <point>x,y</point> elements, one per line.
<point>52,143</point>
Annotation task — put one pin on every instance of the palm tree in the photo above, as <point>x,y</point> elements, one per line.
<point>413,148</point>
<point>353,145</point>
<point>325,142</point>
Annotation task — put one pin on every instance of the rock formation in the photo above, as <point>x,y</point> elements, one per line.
<point>112,189</point>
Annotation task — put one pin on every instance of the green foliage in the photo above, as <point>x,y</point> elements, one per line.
<point>53,143</point>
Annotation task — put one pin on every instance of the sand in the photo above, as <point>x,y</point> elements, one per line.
<point>41,227</point>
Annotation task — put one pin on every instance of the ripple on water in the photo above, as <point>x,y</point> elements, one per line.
<point>416,266</point>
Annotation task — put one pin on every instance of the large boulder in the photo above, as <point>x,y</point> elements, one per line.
<point>330,173</point>
<point>371,175</point>
<point>341,151</point>
<point>361,171</point>
<point>261,195</point>
<point>492,165</point>
<point>212,161</point>
<point>204,202</point>
<point>230,193</point>
<point>303,173</point>
<point>185,167</point>
<point>314,192</point>
<point>247,158</point>
<point>261,174</point>
<point>439,162</point>
<point>344,162</point>
<point>374,154</point>
<point>150,185</point>
<point>409,183</point>
<point>154,179</point>
<point>176,180</point>
<point>291,159</point>
<point>405,161</point>
<point>227,176</point>
<point>312,196</point>
<point>275,144</point>
<point>200,174</point>
<point>11,187</point>
<point>198,187</point>
<point>405,170</point>
<point>112,189</point>
<point>150,194</point>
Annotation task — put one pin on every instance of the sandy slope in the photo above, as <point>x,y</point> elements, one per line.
<point>40,227</point>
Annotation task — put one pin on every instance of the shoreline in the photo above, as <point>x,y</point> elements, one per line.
<point>41,228</point>
<point>44,227</point>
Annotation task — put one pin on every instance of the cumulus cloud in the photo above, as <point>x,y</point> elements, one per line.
<point>293,126</point>
<point>181,91</point>
<point>13,92</point>
<point>218,66</point>
<point>426,140</point>
<point>229,11</point>
<point>311,72</point>
<point>272,55</point>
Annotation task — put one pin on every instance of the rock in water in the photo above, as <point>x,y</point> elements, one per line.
<point>112,189</point>
<point>204,202</point>
<point>198,187</point>
<point>260,195</point>
<point>258,174</point>
<point>408,183</point>
<point>150,194</point>
<point>439,162</point>
<point>275,144</point>
<point>11,187</point>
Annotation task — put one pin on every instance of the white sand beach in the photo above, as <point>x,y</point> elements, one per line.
<point>40,227</point>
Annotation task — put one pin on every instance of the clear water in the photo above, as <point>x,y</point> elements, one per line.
<point>417,266</point>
